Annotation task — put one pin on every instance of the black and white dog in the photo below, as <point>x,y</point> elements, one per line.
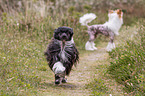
<point>61,53</point>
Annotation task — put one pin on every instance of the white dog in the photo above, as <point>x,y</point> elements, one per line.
<point>110,28</point>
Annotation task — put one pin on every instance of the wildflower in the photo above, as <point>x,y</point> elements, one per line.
<point>131,84</point>
<point>17,24</point>
<point>4,57</point>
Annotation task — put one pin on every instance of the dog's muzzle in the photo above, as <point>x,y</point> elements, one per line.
<point>64,37</point>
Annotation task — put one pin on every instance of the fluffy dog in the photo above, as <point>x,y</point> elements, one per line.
<point>61,53</point>
<point>110,28</point>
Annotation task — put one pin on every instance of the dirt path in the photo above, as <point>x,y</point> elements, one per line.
<point>88,67</point>
<point>86,71</point>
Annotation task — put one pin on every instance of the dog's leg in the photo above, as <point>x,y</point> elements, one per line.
<point>64,80</point>
<point>109,47</point>
<point>60,77</point>
<point>92,41</point>
<point>116,33</point>
<point>93,45</point>
<point>59,70</point>
<point>57,79</point>
<point>90,45</point>
<point>111,44</point>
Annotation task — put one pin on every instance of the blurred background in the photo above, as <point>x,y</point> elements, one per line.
<point>72,8</point>
<point>46,15</point>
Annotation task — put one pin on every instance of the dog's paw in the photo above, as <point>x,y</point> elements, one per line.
<point>95,48</point>
<point>57,82</point>
<point>64,80</point>
<point>116,33</point>
<point>108,50</point>
<point>110,46</point>
<point>90,49</point>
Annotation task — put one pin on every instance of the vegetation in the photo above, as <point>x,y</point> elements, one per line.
<point>128,64</point>
<point>26,27</point>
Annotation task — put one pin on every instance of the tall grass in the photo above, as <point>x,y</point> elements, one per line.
<point>128,65</point>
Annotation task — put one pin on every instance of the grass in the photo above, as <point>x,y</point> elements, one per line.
<point>98,87</point>
<point>127,67</point>
<point>19,64</point>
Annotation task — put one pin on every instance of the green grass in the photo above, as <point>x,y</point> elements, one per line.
<point>22,53</point>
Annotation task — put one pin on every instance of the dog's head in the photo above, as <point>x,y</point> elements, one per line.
<point>63,33</point>
<point>119,12</point>
<point>115,14</point>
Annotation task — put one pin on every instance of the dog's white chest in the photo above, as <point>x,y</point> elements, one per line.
<point>63,52</point>
<point>63,55</point>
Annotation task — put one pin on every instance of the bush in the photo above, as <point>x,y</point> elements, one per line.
<point>128,65</point>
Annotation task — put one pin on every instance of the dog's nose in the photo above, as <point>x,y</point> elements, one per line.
<point>64,36</point>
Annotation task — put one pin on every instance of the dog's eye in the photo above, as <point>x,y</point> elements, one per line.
<point>67,33</point>
<point>59,34</point>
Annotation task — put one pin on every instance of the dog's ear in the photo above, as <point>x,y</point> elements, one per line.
<point>110,11</point>
<point>56,36</point>
<point>71,32</point>
<point>55,30</point>
<point>120,13</point>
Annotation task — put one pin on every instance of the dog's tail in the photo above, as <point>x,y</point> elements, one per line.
<point>87,18</point>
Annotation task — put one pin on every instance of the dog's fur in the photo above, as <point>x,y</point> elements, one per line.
<point>61,53</point>
<point>109,28</point>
